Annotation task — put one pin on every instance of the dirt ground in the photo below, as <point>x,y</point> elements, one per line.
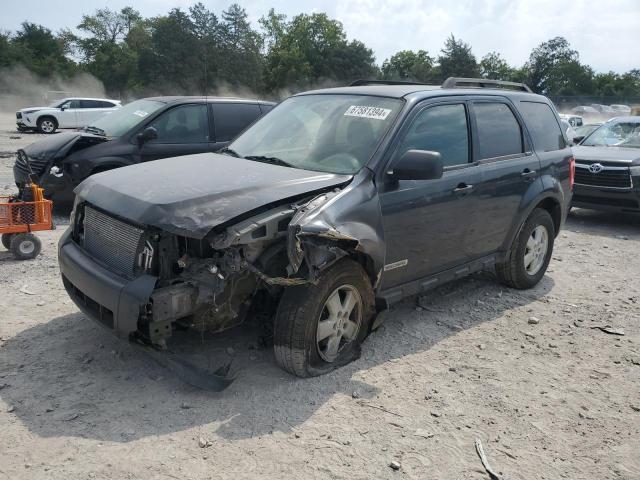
<point>527,373</point>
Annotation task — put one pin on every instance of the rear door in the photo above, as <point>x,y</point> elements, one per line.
<point>182,130</point>
<point>229,119</point>
<point>426,221</point>
<point>507,167</point>
<point>91,110</point>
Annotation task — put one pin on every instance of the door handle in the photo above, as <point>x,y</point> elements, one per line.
<point>463,188</point>
<point>529,175</point>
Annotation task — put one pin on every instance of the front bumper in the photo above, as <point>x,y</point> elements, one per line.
<point>61,187</point>
<point>112,301</point>
<point>607,199</point>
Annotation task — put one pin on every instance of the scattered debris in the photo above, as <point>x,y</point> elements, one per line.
<point>355,394</point>
<point>25,289</point>
<point>71,417</point>
<point>11,409</point>
<point>635,408</point>
<point>185,406</point>
<point>423,433</point>
<point>610,330</point>
<point>436,414</point>
<point>379,408</point>
<point>395,465</point>
<point>203,443</point>
<point>485,462</point>
<point>533,321</point>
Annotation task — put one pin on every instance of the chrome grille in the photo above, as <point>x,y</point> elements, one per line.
<point>37,166</point>
<point>113,242</point>
<point>608,177</point>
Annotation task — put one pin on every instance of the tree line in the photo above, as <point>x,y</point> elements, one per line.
<point>196,50</point>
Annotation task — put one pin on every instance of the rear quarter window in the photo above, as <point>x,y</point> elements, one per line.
<point>232,118</point>
<point>543,126</point>
<point>499,133</point>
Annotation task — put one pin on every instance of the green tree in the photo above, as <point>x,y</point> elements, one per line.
<point>494,67</point>
<point>554,68</point>
<point>457,60</point>
<point>311,48</point>
<point>409,65</point>
<point>41,51</point>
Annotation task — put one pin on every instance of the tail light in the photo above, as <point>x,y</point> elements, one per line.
<point>572,172</point>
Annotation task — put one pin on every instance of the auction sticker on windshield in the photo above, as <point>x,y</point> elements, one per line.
<point>367,112</point>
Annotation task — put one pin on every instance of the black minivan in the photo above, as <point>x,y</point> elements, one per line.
<point>143,130</point>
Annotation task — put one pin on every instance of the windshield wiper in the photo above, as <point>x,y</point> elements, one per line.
<point>272,160</point>
<point>96,130</point>
<point>228,151</point>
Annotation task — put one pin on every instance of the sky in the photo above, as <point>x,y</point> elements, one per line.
<point>604,32</point>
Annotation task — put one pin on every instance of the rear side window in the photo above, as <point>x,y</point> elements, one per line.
<point>543,126</point>
<point>443,129</point>
<point>499,132</point>
<point>90,104</point>
<point>232,118</point>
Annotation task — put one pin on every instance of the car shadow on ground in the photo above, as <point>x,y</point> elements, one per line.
<point>70,377</point>
<point>605,224</point>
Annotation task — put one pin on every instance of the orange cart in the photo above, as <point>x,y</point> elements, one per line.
<point>20,217</point>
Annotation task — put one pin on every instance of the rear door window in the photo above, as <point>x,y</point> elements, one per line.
<point>499,133</point>
<point>442,129</point>
<point>232,118</point>
<point>183,124</point>
<point>90,104</point>
<point>543,126</point>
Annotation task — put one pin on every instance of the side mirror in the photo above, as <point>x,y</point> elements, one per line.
<point>149,133</point>
<point>578,139</point>
<point>417,165</point>
<point>63,108</point>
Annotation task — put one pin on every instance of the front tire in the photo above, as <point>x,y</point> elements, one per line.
<point>25,246</point>
<point>47,125</point>
<point>529,256</point>
<point>320,327</point>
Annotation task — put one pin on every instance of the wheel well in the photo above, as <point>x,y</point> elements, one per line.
<point>366,262</point>
<point>104,168</point>
<point>42,117</point>
<point>553,207</point>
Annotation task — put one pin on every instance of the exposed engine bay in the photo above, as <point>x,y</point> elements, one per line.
<point>212,284</point>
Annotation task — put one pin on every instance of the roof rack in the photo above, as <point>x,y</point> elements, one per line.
<point>361,83</point>
<point>455,82</point>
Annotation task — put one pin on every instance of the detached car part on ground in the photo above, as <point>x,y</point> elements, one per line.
<point>337,204</point>
<point>144,130</point>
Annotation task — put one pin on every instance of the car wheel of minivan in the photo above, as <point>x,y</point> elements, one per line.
<point>529,256</point>
<point>320,327</point>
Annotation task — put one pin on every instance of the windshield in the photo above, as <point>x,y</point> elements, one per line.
<point>123,119</point>
<point>615,134</point>
<point>326,133</point>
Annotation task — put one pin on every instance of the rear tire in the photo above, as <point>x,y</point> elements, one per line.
<point>6,240</point>
<point>47,125</point>
<point>320,327</point>
<point>528,257</point>
<point>25,246</point>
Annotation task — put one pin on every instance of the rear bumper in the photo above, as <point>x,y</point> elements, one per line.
<point>607,199</point>
<point>112,301</point>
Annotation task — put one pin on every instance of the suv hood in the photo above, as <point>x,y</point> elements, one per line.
<point>192,194</point>
<point>59,145</point>
<point>623,155</point>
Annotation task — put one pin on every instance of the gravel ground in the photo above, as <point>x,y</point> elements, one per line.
<point>549,395</point>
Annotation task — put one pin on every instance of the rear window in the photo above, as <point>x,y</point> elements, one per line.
<point>232,118</point>
<point>543,126</point>
<point>499,132</point>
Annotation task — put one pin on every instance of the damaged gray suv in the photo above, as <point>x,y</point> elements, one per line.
<point>334,205</point>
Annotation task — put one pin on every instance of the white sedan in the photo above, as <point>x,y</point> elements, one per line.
<point>65,113</point>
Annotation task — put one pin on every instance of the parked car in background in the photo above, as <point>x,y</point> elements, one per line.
<point>337,202</point>
<point>568,130</point>
<point>623,110</point>
<point>66,113</point>
<point>574,120</point>
<point>587,113</point>
<point>147,129</point>
<point>608,167</point>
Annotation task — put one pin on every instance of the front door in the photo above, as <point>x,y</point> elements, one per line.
<point>425,221</point>
<point>70,115</point>
<point>182,130</point>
